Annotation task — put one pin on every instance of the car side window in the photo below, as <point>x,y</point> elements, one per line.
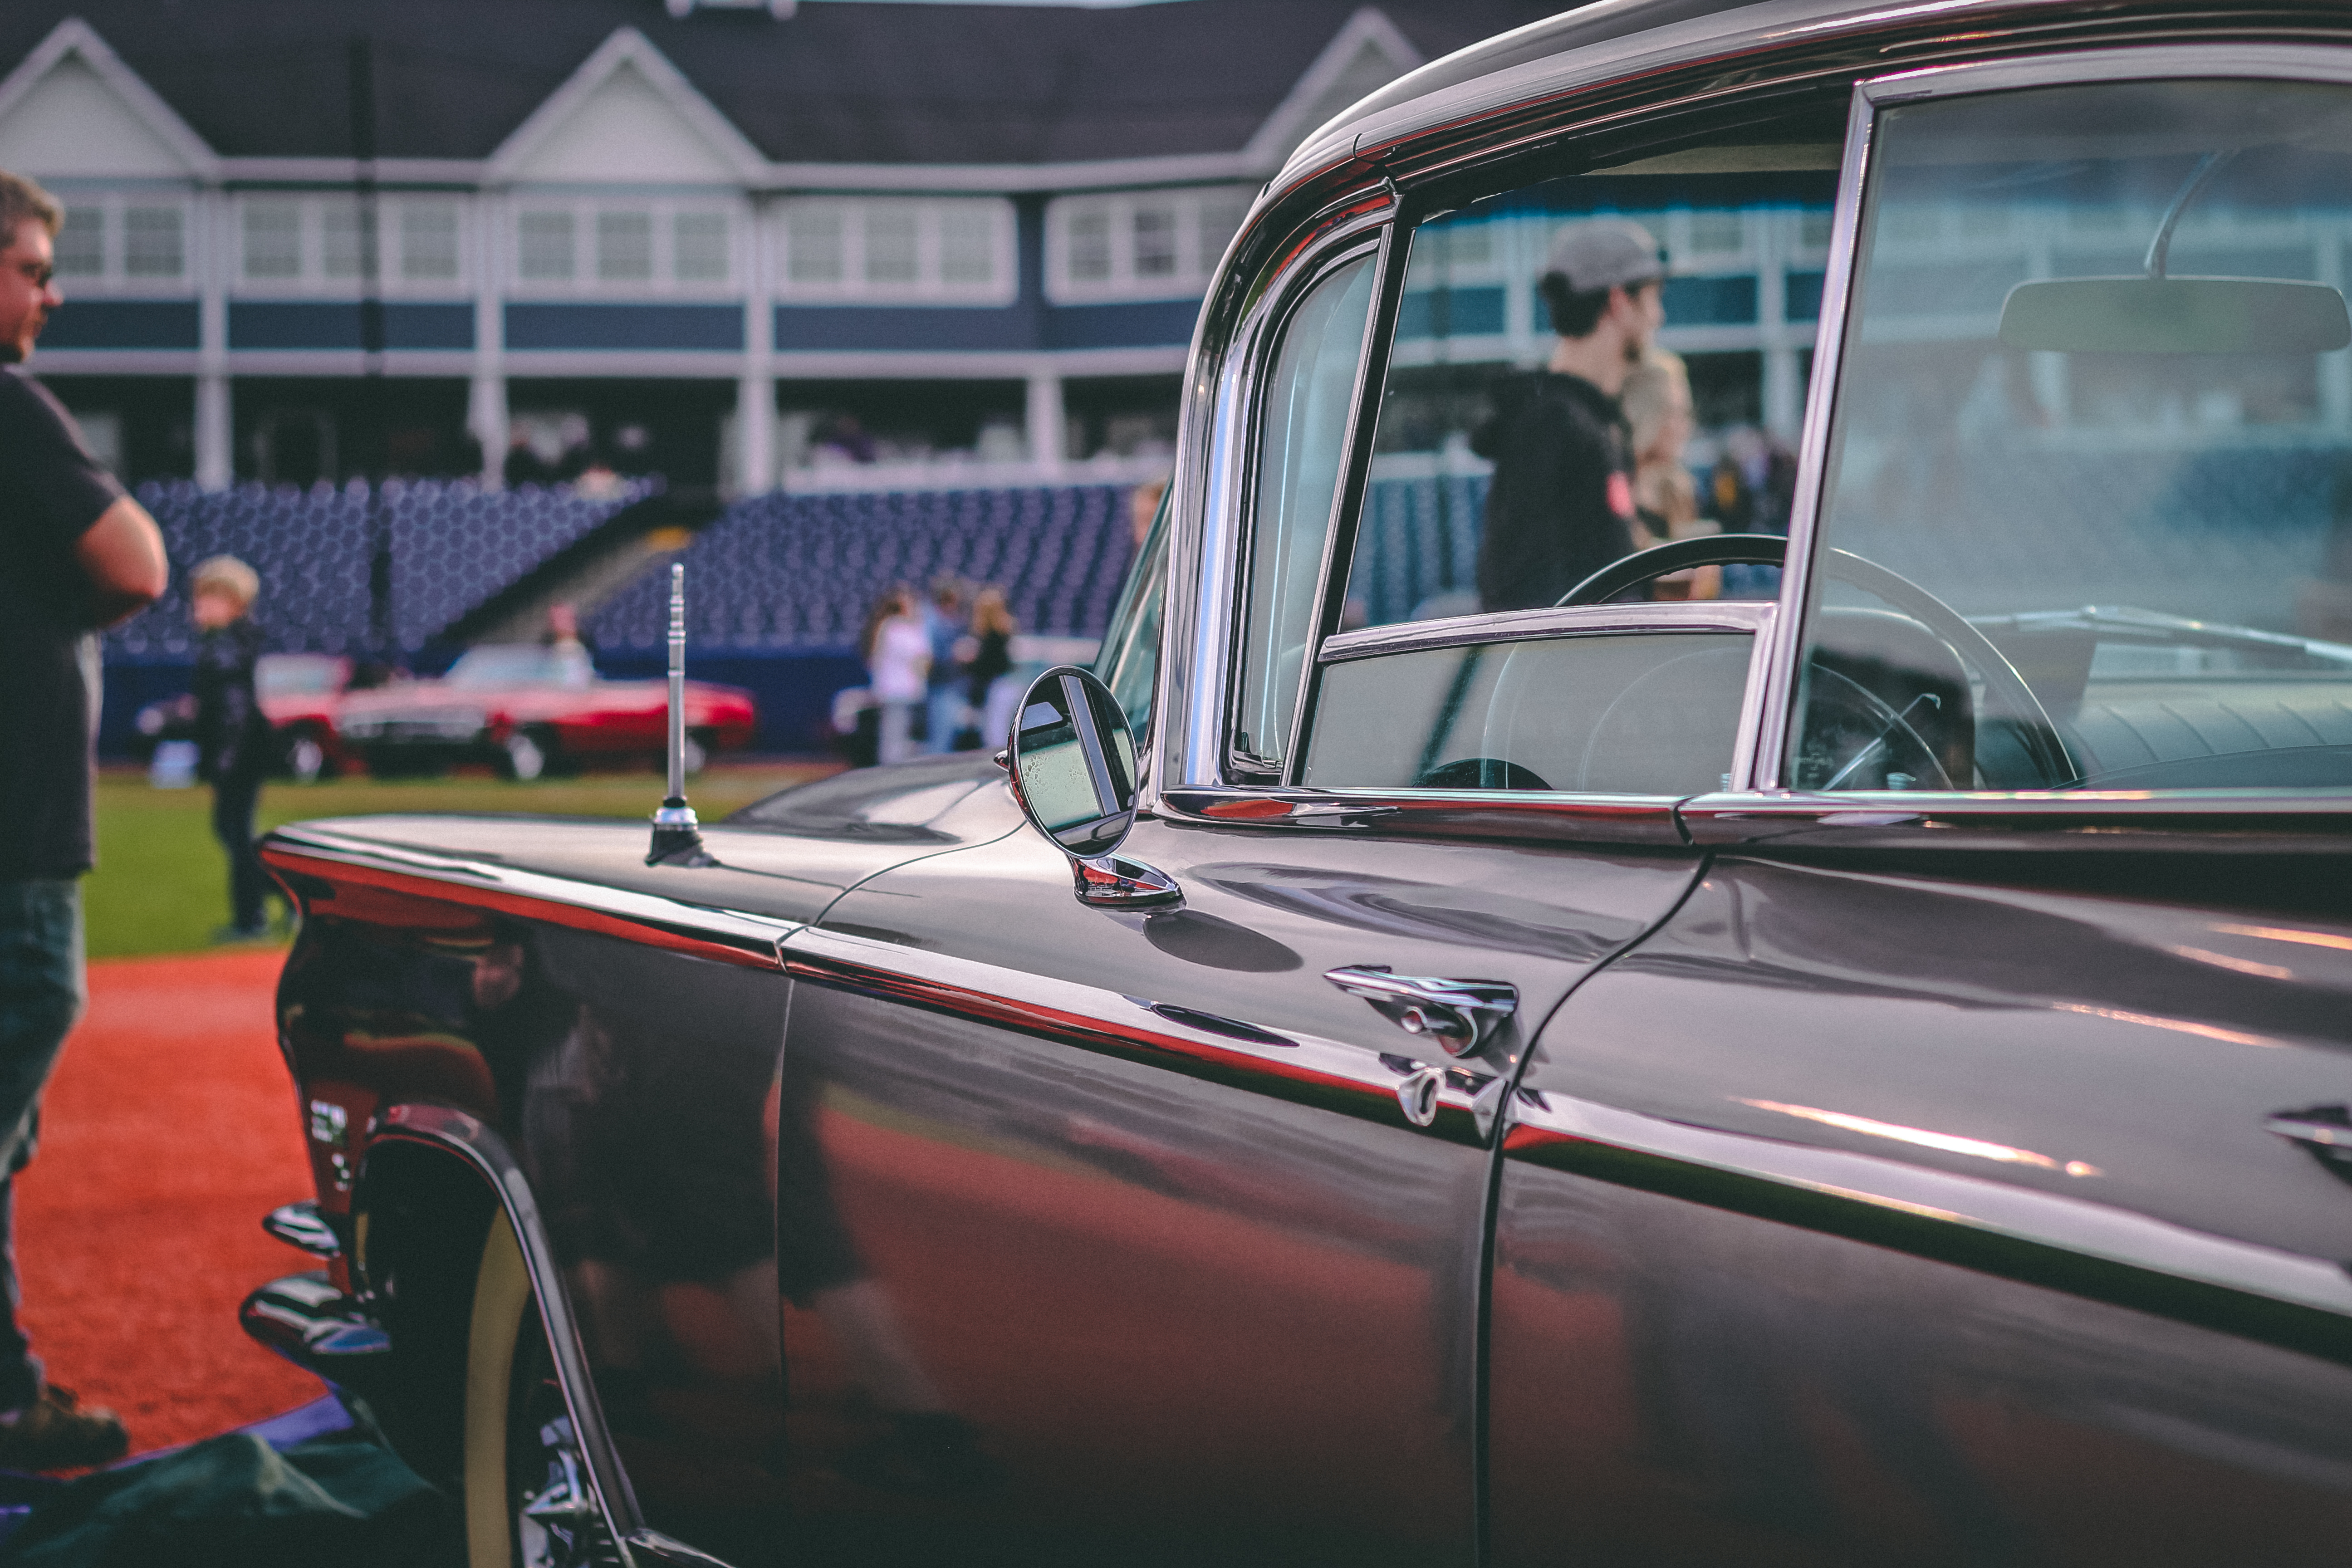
<point>1306,414</point>
<point>1129,660</point>
<point>2086,519</point>
<point>1578,712</point>
<point>1582,367</point>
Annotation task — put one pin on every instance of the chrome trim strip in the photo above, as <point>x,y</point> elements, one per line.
<point>1510,816</point>
<point>2013,1230</point>
<point>729,935</point>
<point>2144,62</point>
<point>1521,626</point>
<point>1778,695</point>
<point>440,1126</point>
<point>1352,1079</point>
<point>2267,822</point>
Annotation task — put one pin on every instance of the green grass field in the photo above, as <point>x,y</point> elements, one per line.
<point>161,883</point>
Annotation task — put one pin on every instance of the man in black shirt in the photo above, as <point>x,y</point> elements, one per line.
<point>76,555</point>
<point>1561,506</point>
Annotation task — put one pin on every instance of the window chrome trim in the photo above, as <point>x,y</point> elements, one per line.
<point>1762,777</point>
<point>1200,687</point>
<point>1765,732</point>
<point>2151,62</point>
<point>1552,621</point>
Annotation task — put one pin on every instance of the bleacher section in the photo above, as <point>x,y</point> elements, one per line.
<point>452,546</point>
<point>796,573</point>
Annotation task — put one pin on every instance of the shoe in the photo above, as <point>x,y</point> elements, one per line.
<point>53,1433</point>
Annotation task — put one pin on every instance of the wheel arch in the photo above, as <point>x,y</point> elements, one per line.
<point>449,1141</point>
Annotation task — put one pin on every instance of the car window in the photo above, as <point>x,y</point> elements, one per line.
<point>1308,402</point>
<point>1129,660</point>
<point>1578,714</point>
<point>1478,444</point>
<point>2087,510</point>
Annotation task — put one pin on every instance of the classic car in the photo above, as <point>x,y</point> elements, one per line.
<point>301,695</point>
<point>1862,1074</point>
<point>527,710</point>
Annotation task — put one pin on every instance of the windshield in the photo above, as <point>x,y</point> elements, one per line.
<point>2094,415</point>
<point>520,666</point>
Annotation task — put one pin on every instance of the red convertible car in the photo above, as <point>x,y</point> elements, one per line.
<point>527,711</point>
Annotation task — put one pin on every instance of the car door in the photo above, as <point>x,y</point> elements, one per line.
<point>1156,1234</point>
<point>1957,1175</point>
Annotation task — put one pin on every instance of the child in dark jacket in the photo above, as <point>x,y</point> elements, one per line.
<point>233,735</point>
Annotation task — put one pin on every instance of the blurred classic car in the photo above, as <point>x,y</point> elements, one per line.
<point>301,694</point>
<point>528,710</point>
<point>1862,1074</point>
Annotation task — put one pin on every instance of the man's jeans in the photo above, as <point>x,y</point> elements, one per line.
<point>40,997</point>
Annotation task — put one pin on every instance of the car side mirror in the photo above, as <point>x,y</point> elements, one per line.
<point>1073,767</point>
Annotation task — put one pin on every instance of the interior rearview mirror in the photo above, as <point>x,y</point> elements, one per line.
<point>2175,316</point>
<point>1072,763</point>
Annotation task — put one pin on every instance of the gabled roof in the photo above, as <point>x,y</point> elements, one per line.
<point>837,82</point>
<point>72,103</point>
<point>654,120</point>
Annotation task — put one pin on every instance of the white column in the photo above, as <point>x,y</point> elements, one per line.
<point>486,399</point>
<point>755,394</point>
<point>1046,435</point>
<point>486,418</point>
<point>216,254</point>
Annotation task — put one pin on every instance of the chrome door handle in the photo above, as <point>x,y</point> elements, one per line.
<point>1459,1015</point>
<point>2324,1131</point>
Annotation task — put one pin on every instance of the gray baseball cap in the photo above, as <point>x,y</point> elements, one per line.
<point>1606,253</point>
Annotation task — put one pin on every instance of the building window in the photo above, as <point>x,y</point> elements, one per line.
<point>349,239</point>
<point>546,249</point>
<point>909,249</point>
<point>332,243</point>
<point>698,243</point>
<point>80,251</point>
<point>273,240</point>
<point>429,242</point>
<point>649,247</point>
<point>813,245</point>
<point>1139,244</point>
<point>154,245</point>
<point>625,246</point>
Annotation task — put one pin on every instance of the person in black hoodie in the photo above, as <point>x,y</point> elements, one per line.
<point>233,735</point>
<point>1561,506</point>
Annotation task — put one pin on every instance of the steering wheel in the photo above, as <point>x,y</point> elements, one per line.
<point>2005,690</point>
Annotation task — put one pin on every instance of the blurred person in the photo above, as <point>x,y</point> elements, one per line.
<point>1657,399</point>
<point>898,651</point>
<point>943,621</point>
<point>987,656</point>
<point>523,464</point>
<point>1143,505</point>
<point>1561,506</point>
<point>1751,490</point>
<point>77,555</point>
<point>573,665</point>
<point>232,732</point>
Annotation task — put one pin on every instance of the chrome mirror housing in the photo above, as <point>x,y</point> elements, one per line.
<point>1073,767</point>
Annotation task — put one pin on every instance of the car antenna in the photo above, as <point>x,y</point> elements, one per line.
<point>678,837</point>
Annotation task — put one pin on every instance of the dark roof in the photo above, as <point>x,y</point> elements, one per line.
<point>838,82</point>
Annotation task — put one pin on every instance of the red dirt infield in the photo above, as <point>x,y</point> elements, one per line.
<point>169,1129</point>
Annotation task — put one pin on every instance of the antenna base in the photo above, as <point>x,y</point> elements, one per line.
<point>677,836</point>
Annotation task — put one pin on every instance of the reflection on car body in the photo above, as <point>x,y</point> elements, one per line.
<point>1854,1076</point>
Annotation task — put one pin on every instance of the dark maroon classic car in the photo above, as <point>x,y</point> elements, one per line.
<point>1855,1069</point>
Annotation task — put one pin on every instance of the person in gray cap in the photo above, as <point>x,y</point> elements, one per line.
<point>1562,503</point>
